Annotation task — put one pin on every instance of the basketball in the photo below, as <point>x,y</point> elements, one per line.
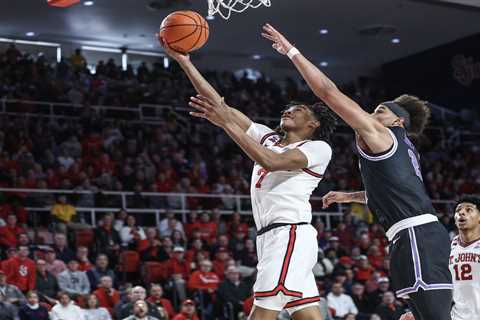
<point>184,31</point>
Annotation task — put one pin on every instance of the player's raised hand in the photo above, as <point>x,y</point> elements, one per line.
<point>334,197</point>
<point>280,43</point>
<point>178,56</point>
<point>217,113</point>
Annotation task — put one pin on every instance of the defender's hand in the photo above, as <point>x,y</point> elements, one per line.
<point>407,316</point>
<point>280,43</point>
<point>334,197</point>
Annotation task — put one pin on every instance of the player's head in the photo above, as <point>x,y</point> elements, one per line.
<point>467,213</point>
<point>315,121</point>
<point>406,111</point>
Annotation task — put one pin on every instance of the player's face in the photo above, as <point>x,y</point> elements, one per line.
<point>385,115</point>
<point>467,216</point>
<point>296,117</point>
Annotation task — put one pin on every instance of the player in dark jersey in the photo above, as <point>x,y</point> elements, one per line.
<point>394,190</point>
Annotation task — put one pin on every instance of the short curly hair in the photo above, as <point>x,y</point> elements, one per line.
<point>469,199</point>
<point>327,119</point>
<point>419,113</point>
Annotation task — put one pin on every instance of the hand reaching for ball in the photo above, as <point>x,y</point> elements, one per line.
<point>177,56</point>
<point>280,43</point>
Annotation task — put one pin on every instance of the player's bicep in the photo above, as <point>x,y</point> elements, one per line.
<point>241,119</point>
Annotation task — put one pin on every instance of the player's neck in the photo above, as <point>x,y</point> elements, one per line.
<point>470,235</point>
<point>292,137</point>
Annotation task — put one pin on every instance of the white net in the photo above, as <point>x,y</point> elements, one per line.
<point>225,7</point>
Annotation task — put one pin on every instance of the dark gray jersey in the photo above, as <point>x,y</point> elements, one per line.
<point>393,181</point>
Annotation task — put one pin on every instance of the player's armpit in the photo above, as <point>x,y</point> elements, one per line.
<point>292,159</point>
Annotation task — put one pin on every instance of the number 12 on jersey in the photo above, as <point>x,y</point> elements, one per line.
<point>262,173</point>
<point>463,271</point>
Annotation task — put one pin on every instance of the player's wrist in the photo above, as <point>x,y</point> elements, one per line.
<point>292,52</point>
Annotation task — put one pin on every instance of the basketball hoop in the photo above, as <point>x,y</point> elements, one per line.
<point>225,7</point>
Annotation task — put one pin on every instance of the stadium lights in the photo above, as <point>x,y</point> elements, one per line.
<point>324,64</point>
<point>88,3</point>
<point>323,31</point>
<point>395,40</point>
<point>210,17</point>
<point>256,57</point>
<point>35,43</point>
<point>30,34</point>
<point>101,49</point>
<point>146,53</point>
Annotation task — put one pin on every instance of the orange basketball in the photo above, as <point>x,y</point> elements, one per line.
<point>184,31</point>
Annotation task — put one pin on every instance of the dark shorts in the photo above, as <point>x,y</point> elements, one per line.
<point>419,259</point>
<point>419,270</point>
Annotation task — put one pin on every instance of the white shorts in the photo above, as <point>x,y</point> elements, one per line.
<point>285,280</point>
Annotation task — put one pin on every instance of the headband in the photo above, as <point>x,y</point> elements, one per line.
<point>399,111</point>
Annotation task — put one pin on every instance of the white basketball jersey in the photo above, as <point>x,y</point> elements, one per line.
<point>465,268</point>
<point>283,196</point>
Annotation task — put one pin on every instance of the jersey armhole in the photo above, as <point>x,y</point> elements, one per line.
<point>384,155</point>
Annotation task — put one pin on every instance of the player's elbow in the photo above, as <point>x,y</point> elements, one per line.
<point>325,91</point>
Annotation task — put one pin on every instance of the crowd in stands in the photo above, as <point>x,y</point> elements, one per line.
<point>59,267</point>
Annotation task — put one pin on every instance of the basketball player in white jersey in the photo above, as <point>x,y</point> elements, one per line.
<point>465,261</point>
<point>289,164</point>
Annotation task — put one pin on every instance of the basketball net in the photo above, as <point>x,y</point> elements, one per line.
<point>225,7</point>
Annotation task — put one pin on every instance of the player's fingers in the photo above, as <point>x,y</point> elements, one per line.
<point>268,36</point>
<point>204,99</point>
<point>198,107</point>
<point>198,115</point>
<point>202,103</point>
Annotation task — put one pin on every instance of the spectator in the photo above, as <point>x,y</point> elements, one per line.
<point>361,300</point>
<point>125,298</point>
<point>107,238</point>
<point>7,310</point>
<point>204,284</point>
<point>187,311</point>
<point>163,305</point>
<point>53,265</point>
<point>383,286</point>
<point>120,220</point>
<point>141,311</point>
<point>169,224</point>
<point>61,248</point>
<point>138,294</point>
<point>154,250</point>
<point>131,234</point>
<point>179,270</point>
<point>21,270</point>
<point>323,267</point>
<point>62,213</point>
<point>101,269</point>
<point>47,284</point>
<point>83,261</point>
<point>107,296</point>
<point>207,228</point>
<point>9,233</point>
<point>364,271</point>
<point>65,308</point>
<point>94,310</point>
<point>78,61</point>
<point>231,294</point>
<point>32,310</point>
<point>341,303</point>
<point>389,309</point>
<point>10,293</point>
<point>236,224</point>
<point>72,281</point>
<point>220,262</point>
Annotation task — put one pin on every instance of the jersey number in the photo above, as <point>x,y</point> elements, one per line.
<point>464,272</point>
<point>416,165</point>
<point>262,173</point>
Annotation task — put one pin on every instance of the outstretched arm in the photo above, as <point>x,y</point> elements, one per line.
<point>374,134</point>
<point>201,85</point>
<point>221,116</point>
<point>343,197</point>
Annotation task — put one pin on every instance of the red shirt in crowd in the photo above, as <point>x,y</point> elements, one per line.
<point>165,304</point>
<point>84,266</point>
<point>182,316</point>
<point>208,230</point>
<point>176,266</point>
<point>20,273</point>
<point>106,300</point>
<point>8,235</point>
<point>203,280</point>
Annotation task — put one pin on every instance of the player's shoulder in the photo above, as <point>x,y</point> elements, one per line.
<point>457,243</point>
<point>316,144</point>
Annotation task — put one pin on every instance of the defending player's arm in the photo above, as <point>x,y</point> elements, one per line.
<point>343,197</point>
<point>374,134</point>
<point>202,86</point>
<point>221,115</point>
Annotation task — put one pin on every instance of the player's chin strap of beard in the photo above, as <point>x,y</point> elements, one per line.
<point>400,111</point>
